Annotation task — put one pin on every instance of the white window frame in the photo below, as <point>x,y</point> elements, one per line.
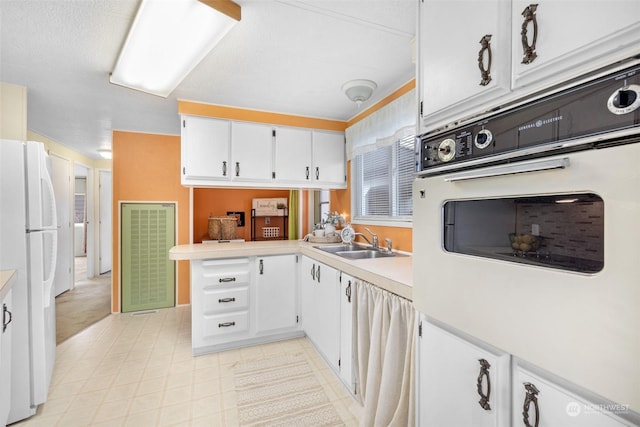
<point>388,221</point>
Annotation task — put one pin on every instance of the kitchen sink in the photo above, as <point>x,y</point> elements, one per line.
<point>341,248</point>
<point>365,254</point>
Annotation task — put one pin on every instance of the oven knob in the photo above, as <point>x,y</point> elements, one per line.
<point>447,150</point>
<point>624,100</point>
<point>483,138</point>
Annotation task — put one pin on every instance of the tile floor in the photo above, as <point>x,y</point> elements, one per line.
<point>137,370</point>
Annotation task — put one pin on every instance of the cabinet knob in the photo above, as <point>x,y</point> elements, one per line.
<point>227,279</point>
<point>221,300</point>
<point>347,291</point>
<point>485,72</point>
<point>237,168</point>
<point>313,272</point>
<point>226,324</point>
<point>307,172</point>
<point>530,397</point>
<point>529,50</point>
<point>224,168</point>
<point>261,267</point>
<point>484,373</point>
<point>317,173</point>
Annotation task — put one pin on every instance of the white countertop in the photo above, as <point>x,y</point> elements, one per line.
<point>395,274</point>
<point>6,276</point>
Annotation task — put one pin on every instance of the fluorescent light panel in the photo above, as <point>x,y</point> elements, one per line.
<point>167,40</point>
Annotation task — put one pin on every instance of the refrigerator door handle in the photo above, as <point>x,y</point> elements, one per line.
<point>47,285</point>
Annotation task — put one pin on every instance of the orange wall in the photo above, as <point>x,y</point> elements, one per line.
<point>146,167</point>
<point>218,201</point>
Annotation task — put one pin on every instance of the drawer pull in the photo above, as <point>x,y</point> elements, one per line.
<point>226,300</point>
<point>529,50</point>
<point>484,373</point>
<point>485,72</point>
<point>226,324</point>
<point>5,323</point>
<point>227,279</point>
<point>531,397</point>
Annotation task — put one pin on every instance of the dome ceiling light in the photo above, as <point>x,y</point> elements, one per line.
<point>359,90</point>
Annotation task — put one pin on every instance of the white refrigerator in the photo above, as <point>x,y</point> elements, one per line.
<point>28,244</point>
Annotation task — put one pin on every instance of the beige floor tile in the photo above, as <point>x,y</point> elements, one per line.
<point>139,371</point>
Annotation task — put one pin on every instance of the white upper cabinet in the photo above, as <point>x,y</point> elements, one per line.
<point>458,40</point>
<point>227,153</point>
<point>533,46</point>
<point>251,152</point>
<point>329,169</point>
<point>293,155</point>
<point>571,38</point>
<point>205,149</point>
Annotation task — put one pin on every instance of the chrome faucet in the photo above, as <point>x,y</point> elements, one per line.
<point>373,242</point>
<point>389,245</point>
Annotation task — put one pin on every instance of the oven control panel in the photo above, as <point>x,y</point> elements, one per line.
<point>575,118</point>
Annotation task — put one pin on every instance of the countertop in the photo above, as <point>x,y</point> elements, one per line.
<point>6,276</point>
<point>394,274</point>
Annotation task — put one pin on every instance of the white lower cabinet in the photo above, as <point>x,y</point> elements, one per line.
<point>461,383</point>
<point>233,304</point>
<point>219,302</point>
<point>5,358</point>
<point>541,402</point>
<point>465,382</point>
<point>276,296</point>
<point>347,289</point>
<point>320,308</point>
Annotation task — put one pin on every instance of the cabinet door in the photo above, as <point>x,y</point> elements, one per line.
<point>321,311</point>
<point>275,288</point>
<point>329,159</point>
<point>328,336</point>
<point>347,289</point>
<point>251,151</point>
<point>572,39</point>
<point>205,149</point>
<point>449,74</point>
<point>452,375</point>
<point>293,155</point>
<point>308,304</point>
<point>5,358</point>
<point>556,405</point>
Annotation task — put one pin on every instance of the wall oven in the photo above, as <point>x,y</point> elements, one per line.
<point>527,232</point>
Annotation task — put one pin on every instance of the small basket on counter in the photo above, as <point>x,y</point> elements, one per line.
<point>223,227</point>
<point>524,244</point>
<point>270,232</point>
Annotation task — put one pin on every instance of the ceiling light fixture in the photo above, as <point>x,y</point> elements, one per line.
<point>105,153</point>
<point>168,39</point>
<point>359,90</point>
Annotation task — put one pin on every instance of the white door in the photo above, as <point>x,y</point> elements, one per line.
<point>293,155</point>
<point>329,159</point>
<point>205,149</point>
<point>61,179</point>
<point>347,290</point>
<point>251,151</point>
<point>105,221</point>
<point>275,293</point>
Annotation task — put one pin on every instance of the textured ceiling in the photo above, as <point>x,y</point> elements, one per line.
<point>288,56</point>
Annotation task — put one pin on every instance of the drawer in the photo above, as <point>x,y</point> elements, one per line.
<point>215,300</point>
<point>222,272</point>
<point>214,326</point>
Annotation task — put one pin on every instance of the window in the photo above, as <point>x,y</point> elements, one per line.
<point>382,181</point>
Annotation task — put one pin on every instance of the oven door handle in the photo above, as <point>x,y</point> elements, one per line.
<point>510,169</point>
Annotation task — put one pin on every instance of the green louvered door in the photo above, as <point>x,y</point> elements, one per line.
<point>148,275</point>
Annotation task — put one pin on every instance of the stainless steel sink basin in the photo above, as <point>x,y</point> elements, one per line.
<point>341,248</point>
<point>365,254</point>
